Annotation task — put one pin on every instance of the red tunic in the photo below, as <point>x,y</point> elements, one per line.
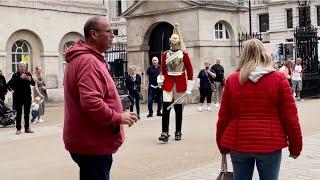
<point>179,81</point>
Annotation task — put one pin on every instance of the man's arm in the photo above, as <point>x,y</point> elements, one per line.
<point>32,81</point>
<point>12,83</point>
<point>92,92</point>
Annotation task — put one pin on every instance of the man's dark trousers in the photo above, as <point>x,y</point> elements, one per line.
<point>26,104</point>
<point>93,167</point>
<point>154,94</point>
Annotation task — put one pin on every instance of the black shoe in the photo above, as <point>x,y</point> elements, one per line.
<point>150,115</point>
<point>164,137</point>
<point>159,114</point>
<point>177,136</point>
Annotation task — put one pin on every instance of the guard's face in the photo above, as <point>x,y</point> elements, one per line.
<point>175,46</point>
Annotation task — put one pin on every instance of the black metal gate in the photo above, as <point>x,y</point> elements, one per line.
<point>307,49</point>
<point>246,36</point>
<point>117,61</point>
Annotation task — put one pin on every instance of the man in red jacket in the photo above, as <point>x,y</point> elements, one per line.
<point>173,66</point>
<point>93,111</point>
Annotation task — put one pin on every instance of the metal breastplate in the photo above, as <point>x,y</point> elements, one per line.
<point>175,65</point>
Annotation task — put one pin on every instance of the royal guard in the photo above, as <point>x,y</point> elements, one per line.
<point>177,70</point>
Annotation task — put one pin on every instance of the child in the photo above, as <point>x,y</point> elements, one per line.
<point>35,110</point>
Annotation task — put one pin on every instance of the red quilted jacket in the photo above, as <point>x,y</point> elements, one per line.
<point>258,117</point>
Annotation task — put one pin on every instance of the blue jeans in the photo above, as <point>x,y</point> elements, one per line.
<point>35,115</point>
<point>95,167</point>
<point>268,165</point>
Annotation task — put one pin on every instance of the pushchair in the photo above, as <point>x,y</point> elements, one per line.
<point>7,116</point>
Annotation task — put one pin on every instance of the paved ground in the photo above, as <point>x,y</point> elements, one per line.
<point>42,156</point>
<point>306,167</point>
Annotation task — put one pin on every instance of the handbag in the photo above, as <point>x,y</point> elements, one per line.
<point>126,101</point>
<point>212,85</point>
<point>224,174</point>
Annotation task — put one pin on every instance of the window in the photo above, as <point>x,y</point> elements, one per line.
<point>289,18</point>
<point>119,7</point>
<point>318,15</point>
<point>221,32</point>
<point>66,46</point>
<point>264,22</point>
<point>20,51</point>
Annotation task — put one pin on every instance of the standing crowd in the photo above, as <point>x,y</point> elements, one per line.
<point>293,71</point>
<point>257,114</point>
<point>20,85</point>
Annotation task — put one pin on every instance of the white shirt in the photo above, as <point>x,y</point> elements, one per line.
<point>35,106</point>
<point>296,74</point>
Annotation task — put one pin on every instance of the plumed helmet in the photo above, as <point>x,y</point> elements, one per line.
<point>177,38</point>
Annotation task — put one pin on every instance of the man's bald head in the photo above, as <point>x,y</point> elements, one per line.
<point>92,24</point>
<point>98,33</point>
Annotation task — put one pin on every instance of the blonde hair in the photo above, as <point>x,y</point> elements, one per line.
<point>131,68</point>
<point>39,76</point>
<point>253,55</point>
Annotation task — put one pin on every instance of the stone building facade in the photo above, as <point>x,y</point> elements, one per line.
<point>277,20</point>
<point>41,31</point>
<point>209,29</point>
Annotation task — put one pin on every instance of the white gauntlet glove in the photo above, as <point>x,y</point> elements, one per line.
<point>190,85</point>
<point>160,79</point>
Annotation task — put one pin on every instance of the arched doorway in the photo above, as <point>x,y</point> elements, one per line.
<point>159,40</point>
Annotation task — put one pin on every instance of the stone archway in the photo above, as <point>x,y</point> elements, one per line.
<point>158,39</point>
<point>34,44</point>
<point>66,41</point>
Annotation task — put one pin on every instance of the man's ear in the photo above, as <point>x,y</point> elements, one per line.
<point>93,34</point>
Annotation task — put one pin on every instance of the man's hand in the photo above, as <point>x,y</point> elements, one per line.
<point>293,156</point>
<point>129,118</point>
<point>23,76</point>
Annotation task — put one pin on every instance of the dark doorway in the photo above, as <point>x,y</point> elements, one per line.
<point>159,40</point>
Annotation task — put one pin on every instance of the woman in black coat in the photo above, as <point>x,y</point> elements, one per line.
<point>133,84</point>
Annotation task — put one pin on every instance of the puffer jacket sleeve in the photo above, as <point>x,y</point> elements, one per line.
<point>224,115</point>
<point>289,117</point>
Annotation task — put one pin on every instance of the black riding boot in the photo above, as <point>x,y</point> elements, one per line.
<point>165,122</point>
<point>178,109</point>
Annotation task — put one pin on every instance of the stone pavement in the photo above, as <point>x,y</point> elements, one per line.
<point>41,156</point>
<point>306,167</point>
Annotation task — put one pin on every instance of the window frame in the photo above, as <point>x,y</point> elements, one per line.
<point>318,15</point>
<point>264,28</point>
<point>221,32</point>
<point>15,54</point>
<point>289,19</point>
<point>66,46</point>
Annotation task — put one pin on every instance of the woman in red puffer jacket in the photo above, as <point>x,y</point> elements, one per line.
<point>258,116</point>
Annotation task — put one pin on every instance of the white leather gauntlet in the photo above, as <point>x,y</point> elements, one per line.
<point>190,86</point>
